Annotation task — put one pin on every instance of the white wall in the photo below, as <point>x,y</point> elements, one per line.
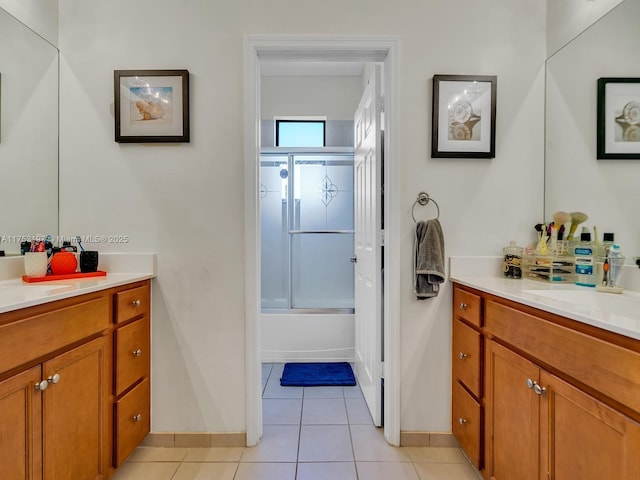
<point>40,15</point>
<point>185,202</point>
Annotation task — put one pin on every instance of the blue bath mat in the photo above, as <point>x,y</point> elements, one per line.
<point>317,374</point>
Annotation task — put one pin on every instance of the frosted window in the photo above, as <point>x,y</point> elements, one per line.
<point>300,133</point>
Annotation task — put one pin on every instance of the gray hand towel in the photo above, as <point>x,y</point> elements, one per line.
<point>429,259</point>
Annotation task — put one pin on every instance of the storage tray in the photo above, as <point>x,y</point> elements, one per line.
<point>66,276</point>
<point>549,268</point>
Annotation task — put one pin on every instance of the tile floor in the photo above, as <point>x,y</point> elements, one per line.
<point>318,433</point>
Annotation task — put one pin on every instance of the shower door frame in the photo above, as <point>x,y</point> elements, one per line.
<point>291,153</point>
<point>356,48</point>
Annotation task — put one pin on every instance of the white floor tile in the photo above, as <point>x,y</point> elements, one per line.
<point>325,443</point>
<point>146,470</point>
<point>214,454</point>
<point>266,471</point>
<point>205,471</point>
<point>324,411</point>
<point>275,390</point>
<point>386,471</point>
<point>369,445</point>
<point>281,411</point>
<point>158,454</point>
<point>323,392</point>
<point>352,392</point>
<point>279,443</point>
<point>446,471</point>
<point>436,454</point>
<point>327,471</point>
<point>358,412</point>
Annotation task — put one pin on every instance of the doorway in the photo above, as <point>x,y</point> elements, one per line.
<point>303,48</point>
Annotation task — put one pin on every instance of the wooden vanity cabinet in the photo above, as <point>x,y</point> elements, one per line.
<point>58,377</point>
<point>132,348</point>
<point>560,398</point>
<point>54,389</point>
<point>467,373</point>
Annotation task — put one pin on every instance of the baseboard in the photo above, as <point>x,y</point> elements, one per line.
<point>195,439</point>
<point>427,439</point>
<point>270,356</point>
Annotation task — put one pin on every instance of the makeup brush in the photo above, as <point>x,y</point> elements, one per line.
<point>576,219</point>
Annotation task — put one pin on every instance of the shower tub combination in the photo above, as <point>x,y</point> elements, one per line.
<point>307,249</point>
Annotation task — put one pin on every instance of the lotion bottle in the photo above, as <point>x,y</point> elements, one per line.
<point>585,269</point>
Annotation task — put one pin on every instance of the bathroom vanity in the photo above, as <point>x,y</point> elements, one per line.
<point>74,376</point>
<point>546,383</point>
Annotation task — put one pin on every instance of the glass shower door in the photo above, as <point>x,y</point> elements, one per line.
<point>307,243</point>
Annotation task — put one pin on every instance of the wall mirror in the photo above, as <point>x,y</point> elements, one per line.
<point>28,134</point>
<point>606,190</point>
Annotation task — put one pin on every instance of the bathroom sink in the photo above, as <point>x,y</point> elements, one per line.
<point>626,304</point>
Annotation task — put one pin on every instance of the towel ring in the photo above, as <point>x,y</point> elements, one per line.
<point>423,199</point>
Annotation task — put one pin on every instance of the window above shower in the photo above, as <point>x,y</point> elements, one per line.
<point>300,132</point>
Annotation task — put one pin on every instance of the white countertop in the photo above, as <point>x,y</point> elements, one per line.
<point>121,269</point>
<point>619,313</point>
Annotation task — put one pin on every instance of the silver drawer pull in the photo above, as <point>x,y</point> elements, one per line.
<point>137,418</point>
<point>136,303</point>
<point>463,356</point>
<point>54,378</point>
<point>42,385</point>
<point>137,353</point>
<point>463,306</point>
<point>462,421</point>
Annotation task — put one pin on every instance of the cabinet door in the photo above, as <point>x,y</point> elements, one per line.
<point>467,357</point>
<point>512,416</point>
<point>583,438</point>
<point>75,414</point>
<point>21,427</point>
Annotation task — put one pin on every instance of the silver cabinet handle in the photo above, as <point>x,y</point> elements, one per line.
<point>42,385</point>
<point>462,421</point>
<point>137,418</point>
<point>539,389</point>
<point>530,383</point>
<point>137,353</point>
<point>54,378</point>
<point>463,306</point>
<point>463,356</point>
<point>136,303</point>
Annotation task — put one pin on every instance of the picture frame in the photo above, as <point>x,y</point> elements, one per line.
<point>151,106</point>
<point>464,116</point>
<point>618,130</point>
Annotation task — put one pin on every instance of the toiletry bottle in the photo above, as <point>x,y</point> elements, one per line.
<point>616,260</point>
<point>607,242</point>
<point>583,252</point>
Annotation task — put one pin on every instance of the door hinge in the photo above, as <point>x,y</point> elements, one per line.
<point>381,369</point>
<point>380,104</point>
<point>381,238</point>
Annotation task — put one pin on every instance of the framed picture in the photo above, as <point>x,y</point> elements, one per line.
<point>464,116</point>
<point>618,118</point>
<point>151,105</point>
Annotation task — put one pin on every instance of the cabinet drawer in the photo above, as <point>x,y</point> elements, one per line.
<point>34,337</point>
<point>467,423</point>
<point>468,306</point>
<point>608,368</point>
<point>131,421</point>
<point>132,303</point>
<point>131,353</point>
<point>467,357</point>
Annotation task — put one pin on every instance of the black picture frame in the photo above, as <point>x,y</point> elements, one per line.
<point>618,129</point>
<point>151,106</point>
<point>464,116</point>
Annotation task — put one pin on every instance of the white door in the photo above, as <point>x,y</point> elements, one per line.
<point>368,249</point>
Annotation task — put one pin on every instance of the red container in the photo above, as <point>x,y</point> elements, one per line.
<point>63,263</point>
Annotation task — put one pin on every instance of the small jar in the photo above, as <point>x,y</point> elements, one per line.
<point>512,262</point>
